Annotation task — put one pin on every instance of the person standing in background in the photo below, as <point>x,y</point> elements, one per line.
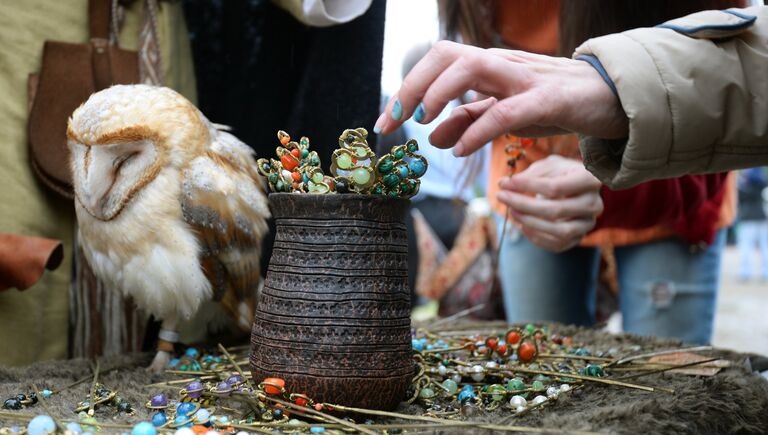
<point>752,226</point>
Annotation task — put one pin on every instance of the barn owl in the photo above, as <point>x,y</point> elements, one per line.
<point>170,208</point>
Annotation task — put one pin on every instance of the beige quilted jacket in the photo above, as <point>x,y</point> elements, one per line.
<point>695,90</point>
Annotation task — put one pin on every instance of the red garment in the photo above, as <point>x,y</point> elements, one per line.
<point>690,205</point>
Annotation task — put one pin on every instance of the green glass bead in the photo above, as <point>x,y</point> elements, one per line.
<point>541,378</point>
<point>537,385</point>
<point>361,152</point>
<point>399,154</point>
<point>378,190</point>
<point>405,188</point>
<point>515,384</point>
<point>361,176</point>
<point>273,178</point>
<point>317,177</point>
<point>391,180</point>
<point>594,370</point>
<point>426,393</point>
<point>386,165</point>
<point>497,392</point>
<point>344,161</point>
<point>530,329</point>
<point>304,153</point>
<point>450,386</point>
<point>183,367</point>
<point>392,194</point>
<point>314,161</point>
<point>304,141</point>
<point>413,147</point>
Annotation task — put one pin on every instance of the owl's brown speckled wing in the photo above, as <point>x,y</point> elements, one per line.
<point>224,203</point>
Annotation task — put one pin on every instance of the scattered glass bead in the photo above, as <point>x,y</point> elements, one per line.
<point>12,404</point>
<point>552,391</point>
<point>273,386</point>
<point>539,399</point>
<point>426,393</point>
<point>517,401</point>
<point>158,401</point>
<point>537,385</point>
<point>317,429</point>
<point>74,427</point>
<point>41,425</point>
<point>477,372</point>
<point>47,393</point>
<point>194,389</point>
<point>594,370</point>
<point>184,431</point>
<point>159,419</point>
<point>192,353</point>
<point>565,387</point>
<point>497,392</point>
<point>450,386</point>
<point>185,408</point>
<point>144,428</point>
<point>183,420</point>
<point>515,384</point>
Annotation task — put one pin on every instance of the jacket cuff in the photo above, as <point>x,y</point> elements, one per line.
<point>618,163</point>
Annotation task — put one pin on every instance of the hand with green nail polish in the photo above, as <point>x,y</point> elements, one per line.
<point>528,95</point>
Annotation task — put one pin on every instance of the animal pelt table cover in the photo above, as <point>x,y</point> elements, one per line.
<point>735,400</point>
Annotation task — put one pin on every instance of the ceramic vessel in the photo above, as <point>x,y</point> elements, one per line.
<point>333,318</point>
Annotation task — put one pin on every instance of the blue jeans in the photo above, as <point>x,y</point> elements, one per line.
<point>665,289</point>
<point>751,235</point>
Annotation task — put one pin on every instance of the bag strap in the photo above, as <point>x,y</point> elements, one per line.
<point>99,18</point>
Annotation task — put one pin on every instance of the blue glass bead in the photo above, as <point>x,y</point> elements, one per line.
<point>41,425</point>
<point>192,352</point>
<point>403,170</point>
<point>144,428</point>
<point>417,345</point>
<point>305,178</point>
<point>159,419</point>
<point>181,421</point>
<point>317,429</point>
<point>417,168</point>
<point>430,347</point>
<point>468,387</point>
<point>465,395</point>
<point>47,393</point>
<point>184,408</point>
<point>74,427</point>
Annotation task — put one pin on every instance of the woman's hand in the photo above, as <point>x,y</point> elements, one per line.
<point>529,95</point>
<point>565,204</point>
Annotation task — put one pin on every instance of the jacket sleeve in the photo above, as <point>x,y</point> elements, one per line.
<point>695,91</point>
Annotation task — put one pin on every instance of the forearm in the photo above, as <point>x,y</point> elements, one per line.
<point>694,105</point>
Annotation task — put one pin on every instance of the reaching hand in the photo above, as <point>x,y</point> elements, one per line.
<point>565,206</point>
<point>529,95</point>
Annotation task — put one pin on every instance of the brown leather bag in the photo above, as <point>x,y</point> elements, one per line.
<point>70,73</point>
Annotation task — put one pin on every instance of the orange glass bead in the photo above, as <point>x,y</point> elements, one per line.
<point>514,152</point>
<point>567,341</point>
<point>296,176</point>
<point>285,139</point>
<point>289,161</point>
<point>526,352</point>
<point>527,141</point>
<point>492,342</point>
<point>318,406</point>
<point>513,337</point>
<point>295,152</point>
<point>273,386</point>
<point>301,401</point>
<point>198,428</point>
<point>501,349</point>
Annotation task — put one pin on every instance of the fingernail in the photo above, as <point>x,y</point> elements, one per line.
<point>379,124</point>
<point>397,111</point>
<point>418,116</point>
<point>458,149</point>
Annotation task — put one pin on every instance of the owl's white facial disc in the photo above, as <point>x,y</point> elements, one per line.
<point>108,176</point>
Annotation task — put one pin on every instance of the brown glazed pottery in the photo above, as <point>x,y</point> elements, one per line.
<point>333,318</point>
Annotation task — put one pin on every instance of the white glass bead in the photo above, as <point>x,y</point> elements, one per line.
<point>517,401</point>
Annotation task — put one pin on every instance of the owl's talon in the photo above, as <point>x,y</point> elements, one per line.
<point>160,362</point>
